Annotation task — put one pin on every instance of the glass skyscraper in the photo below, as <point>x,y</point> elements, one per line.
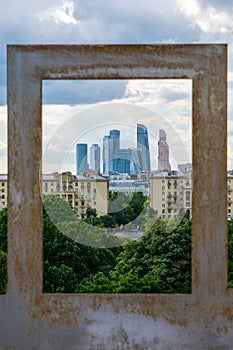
<point>106,154</point>
<point>114,146</point>
<point>163,152</point>
<point>111,144</point>
<point>81,157</point>
<point>143,147</point>
<point>95,157</point>
<point>122,161</point>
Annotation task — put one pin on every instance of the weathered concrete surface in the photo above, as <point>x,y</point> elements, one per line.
<point>202,320</point>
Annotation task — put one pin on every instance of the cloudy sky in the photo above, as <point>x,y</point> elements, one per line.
<point>103,105</point>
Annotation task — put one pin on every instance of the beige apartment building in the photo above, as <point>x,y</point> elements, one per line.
<point>83,191</point>
<point>171,192</point>
<point>230,195</point>
<point>86,190</point>
<point>3,191</point>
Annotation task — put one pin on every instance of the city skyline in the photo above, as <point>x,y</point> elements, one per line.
<point>88,22</point>
<point>117,159</point>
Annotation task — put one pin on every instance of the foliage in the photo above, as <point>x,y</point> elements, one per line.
<point>160,262</point>
<point>3,272</point>
<point>124,208</point>
<point>67,262</point>
<point>90,212</point>
<point>3,230</point>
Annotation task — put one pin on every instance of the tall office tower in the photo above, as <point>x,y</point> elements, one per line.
<point>106,154</point>
<point>114,146</point>
<point>143,147</point>
<point>81,157</point>
<point>163,152</point>
<point>95,157</point>
<point>136,161</point>
<point>122,161</point>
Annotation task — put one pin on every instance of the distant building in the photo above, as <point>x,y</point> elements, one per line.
<point>136,161</point>
<point>170,193</point>
<point>86,190</point>
<point>81,157</point>
<point>122,160</point>
<point>114,146</point>
<point>3,191</point>
<point>128,184</point>
<point>143,147</point>
<point>111,144</point>
<point>95,157</point>
<point>163,152</point>
<point>106,154</point>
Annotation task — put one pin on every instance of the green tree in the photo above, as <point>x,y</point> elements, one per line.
<point>163,256</point>
<point>3,272</point>
<point>60,279</point>
<point>90,212</point>
<point>3,230</point>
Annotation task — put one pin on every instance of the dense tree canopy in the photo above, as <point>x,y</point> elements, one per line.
<point>160,262</point>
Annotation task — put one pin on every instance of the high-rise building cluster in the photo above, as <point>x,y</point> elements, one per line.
<point>114,158</point>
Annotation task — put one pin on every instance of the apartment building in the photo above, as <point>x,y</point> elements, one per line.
<point>230,195</point>
<point>86,190</point>
<point>3,191</point>
<point>171,192</point>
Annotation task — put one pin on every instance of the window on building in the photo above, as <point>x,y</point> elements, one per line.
<point>188,196</point>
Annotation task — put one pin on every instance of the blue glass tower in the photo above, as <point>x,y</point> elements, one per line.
<point>81,157</point>
<point>114,146</point>
<point>122,161</point>
<point>111,144</point>
<point>143,147</point>
<point>95,157</point>
<point>106,154</point>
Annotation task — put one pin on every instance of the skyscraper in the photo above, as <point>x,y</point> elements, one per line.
<point>136,161</point>
<point>95,157</point>
<point>111,144</point>
<point>163,152</point>
<point>106,154</point>
<point>143,147</point>
<point>114,146</point>
<point>122,161</point>
<point>81,157</point>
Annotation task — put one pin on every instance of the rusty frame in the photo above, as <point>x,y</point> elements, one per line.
<point>28,65</point>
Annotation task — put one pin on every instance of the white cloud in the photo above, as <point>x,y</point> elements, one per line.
<point>166,104</point>
<point>64,13</point>
<point>216,23</point>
